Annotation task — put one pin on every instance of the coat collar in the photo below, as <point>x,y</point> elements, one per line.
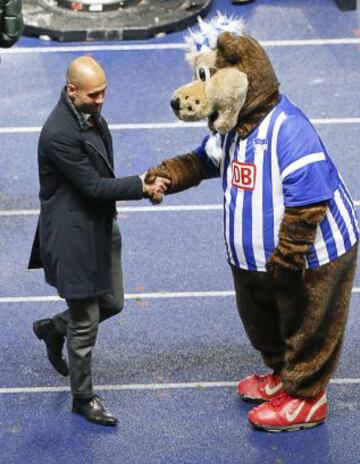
<point>82,122</point>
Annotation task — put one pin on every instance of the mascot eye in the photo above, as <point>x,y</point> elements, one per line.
<point>203,74</point>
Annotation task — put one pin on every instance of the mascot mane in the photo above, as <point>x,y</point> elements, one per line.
<point>204,37</point>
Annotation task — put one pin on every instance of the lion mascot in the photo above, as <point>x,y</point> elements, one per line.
<point>290,227</point>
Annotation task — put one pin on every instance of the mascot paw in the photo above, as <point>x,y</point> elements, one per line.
<point>281,265</point>
<point>153,173</point>
<point>156,199</point>
<point>150,178</point>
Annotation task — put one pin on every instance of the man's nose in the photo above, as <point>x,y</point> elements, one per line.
<point>100,99</point>
<point>175,103</point>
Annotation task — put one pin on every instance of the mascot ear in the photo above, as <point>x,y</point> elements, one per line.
<point>231,47</point>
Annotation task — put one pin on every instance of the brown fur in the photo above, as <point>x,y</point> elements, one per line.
<point>297,234</point>
<point>313,349</point>
<point>184,171</point>
<point>298,323</point>
<point>294,316</point>
<point>245,54</point>
<point>249,57</point>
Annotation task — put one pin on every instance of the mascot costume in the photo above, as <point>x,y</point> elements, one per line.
<point>290,227</point>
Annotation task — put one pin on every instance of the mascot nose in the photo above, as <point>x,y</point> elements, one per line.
<point>175,103</point>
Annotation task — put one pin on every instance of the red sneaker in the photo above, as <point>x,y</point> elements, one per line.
<point>259,387</point>
<point>285,413</point>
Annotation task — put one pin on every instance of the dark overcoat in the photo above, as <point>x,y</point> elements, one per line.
<point>78,190</point>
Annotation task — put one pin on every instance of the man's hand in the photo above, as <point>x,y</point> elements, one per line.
<point>155,187</point>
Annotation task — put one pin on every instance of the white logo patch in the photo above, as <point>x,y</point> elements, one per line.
<point>291,416</point>
<point>270,391</point>
<point>244,175</point>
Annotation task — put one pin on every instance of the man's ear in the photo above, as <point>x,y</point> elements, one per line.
<point>70,90</point>
<point>230,46</point>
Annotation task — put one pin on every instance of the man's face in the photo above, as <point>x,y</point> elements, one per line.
<point>88,96</point>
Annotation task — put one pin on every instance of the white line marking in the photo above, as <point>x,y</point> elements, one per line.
<point>19,130</point>
<point>127,209</point>
<point>118,127</point>
<point>169,125</point>
<point>149,387</point>
<point>324,121</point>
<point>134,296</point>
<point>170,46</point>
<point>133,209</point>
<point>160,386</point>
<point>310,42</point>
<point>159,125</point>
<point>19,212</point>
<point>99,48</point>
<point>128,296</point>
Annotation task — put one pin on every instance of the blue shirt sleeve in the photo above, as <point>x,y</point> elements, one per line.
<point>205,153</point>
<point>308,174</point>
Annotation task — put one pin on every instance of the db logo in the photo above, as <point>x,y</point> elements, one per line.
<point>244,175</point>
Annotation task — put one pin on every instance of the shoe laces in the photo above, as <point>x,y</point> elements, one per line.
<point>263,379</point>
<point>279,399</point>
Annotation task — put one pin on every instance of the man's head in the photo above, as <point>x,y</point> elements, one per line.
<point>86,84</point>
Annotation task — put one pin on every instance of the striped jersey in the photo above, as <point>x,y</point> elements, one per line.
<point>282,163</point>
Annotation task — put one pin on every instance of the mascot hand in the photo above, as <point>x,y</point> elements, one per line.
<point>150,178</point>
<point>183,172</point>
<point>296,235</point>
<point>282,263</point>
<point>154,186</point>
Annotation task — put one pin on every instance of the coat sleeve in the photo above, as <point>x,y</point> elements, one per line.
<point>11,23</point>
<point>75,167</point>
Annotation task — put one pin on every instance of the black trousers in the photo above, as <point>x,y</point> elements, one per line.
<point>79,323</point>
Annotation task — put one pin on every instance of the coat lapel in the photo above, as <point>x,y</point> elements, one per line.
<point>104,158</point>
<point>102,126</point>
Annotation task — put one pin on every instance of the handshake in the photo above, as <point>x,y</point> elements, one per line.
<point>173,175</point>
<point>154,186</point>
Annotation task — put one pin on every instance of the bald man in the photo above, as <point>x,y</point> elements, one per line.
<point>77,241</point>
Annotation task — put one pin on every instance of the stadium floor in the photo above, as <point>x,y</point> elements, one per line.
<point>168,365</point>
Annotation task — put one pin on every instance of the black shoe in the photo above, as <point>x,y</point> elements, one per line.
<point>240,2</point>
<point>54,341</point>
<point>94,411</point>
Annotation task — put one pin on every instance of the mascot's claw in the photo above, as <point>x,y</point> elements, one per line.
<point>152,174</point>
<point>156,199</point>
<point>280,265</point>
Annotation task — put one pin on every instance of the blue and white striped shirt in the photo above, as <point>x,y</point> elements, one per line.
<point>282,163</point>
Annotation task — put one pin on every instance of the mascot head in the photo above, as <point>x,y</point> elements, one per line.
<point>234,83</point>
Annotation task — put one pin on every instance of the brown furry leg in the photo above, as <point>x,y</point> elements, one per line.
<point>313,340</point>
<point>256,304</point>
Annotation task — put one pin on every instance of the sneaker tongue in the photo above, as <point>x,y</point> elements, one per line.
<point>279,399</point>
<point>263,378</point>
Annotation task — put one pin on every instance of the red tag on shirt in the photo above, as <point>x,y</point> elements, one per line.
<point>243,175</point>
